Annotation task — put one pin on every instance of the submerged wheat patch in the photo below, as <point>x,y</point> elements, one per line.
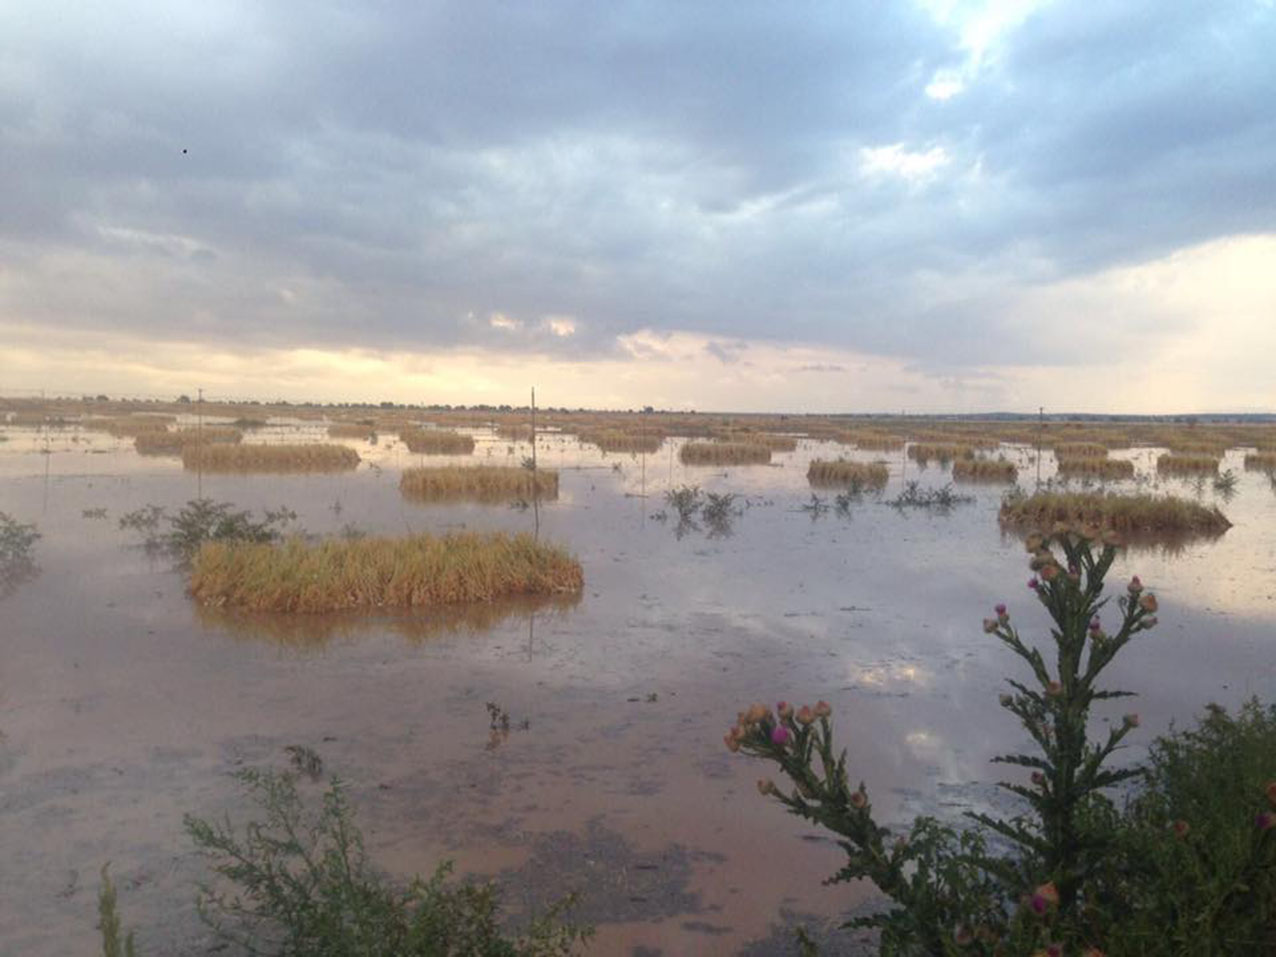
<point>270,458</point>
<point>480,483</point>
<point>724,453</point>
<point>842,473</point>
<point>413,572</point>
<point>1121,513</point>
<point>436,442</point>
<point>172,443</point>
<point>1096,468</point>
<point>984,470</point>
<point>1173,464</point>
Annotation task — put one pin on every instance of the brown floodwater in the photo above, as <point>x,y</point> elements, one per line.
<point>123,706</point>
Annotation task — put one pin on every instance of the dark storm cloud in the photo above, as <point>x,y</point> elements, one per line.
<point>423,175</point>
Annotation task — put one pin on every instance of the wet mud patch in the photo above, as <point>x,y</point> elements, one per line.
<point>614,881</point>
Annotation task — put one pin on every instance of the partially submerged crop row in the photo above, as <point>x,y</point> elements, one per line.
<point>724,453</point>
<point>270,458</point>
<point>1099,468</point>
<point>984,470</point>
<point>1121,513</point>
<point>1187,464</point>
<point>172,443</point>
<point>436,442</point>
<point>482,483</point>
<point>413,572</point>
<point>842,473</point>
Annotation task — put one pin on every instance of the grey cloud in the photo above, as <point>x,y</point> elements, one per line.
<point>398,170</point>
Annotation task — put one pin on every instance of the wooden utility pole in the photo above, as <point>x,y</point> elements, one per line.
<point>536,485</point>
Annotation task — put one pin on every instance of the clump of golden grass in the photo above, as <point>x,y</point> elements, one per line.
<point>480,483</point>
<point>842,473</point>
<point>1104,468</point>
<point>984,470</point>
<point>131,426</point>
<point>413,572</point>
<point>1261,462</point>
<point>437,441</point>
<point>621,440</point>
<point>1081,450</point>
<point>724,453</point>
<point>940,451</point>
<point>270,458</point>
<point>1121,513</point>
<point>1186,464</point>
<point>515,432</point>
<point>870,441</point>
<point>351,430</point>
<point>172,443</point>
<point>1214,448</point>
<point>776,443</point>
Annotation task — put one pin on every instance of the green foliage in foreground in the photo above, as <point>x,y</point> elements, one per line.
<point>203,520</point>
<point>1187,867</point>
<point>17,542</point>
<point>297,883</point>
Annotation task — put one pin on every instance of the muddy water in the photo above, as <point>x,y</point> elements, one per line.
<point>122,706</point>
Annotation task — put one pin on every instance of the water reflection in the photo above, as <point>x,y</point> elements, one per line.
<point>317,631</point>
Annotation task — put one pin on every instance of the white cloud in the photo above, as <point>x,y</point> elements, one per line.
<point>915,166</point>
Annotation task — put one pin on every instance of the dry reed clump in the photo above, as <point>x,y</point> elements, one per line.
<point>436,442</point>
<point>351,430</point>
<point>870,441</point>
<point>1127,514</point>
<point>514,432</point>
<point>172,443</point>
<point>270,458</point>
<point>842,473</point>
<point>776,443</point>
<point>1261,462</point>
<point>984,470</point>
<point>1187,464</point>
<point>1104,468</point>
<point>940,451</point>
<point>1081,450</point>
<point>724,453</point>
<point>622,440</point>
<point>480,483</point>
<point>418,571</point>
<point>131,426</point>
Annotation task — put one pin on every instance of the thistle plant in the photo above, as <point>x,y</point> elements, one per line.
<point>951,893</point>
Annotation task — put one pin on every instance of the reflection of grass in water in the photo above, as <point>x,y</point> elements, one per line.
<point>984,470</point>
<point>623,440</point>
<point>857,475</point>
<point>420,625</point>
<point>418,571</point>
<point>480,483</point>
<point>1144,519</point>
<point>172,443</point>
<point>1100,468</point>
<point>270,458</point>
<point>724,453</point>
<point>1187,464</point>
<point>436,442</point>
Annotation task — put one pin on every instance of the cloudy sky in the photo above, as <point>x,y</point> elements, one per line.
<point>857,206</point>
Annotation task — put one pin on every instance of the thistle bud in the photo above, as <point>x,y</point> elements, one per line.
<point>1053,689</point>
<point>1148,602</point>
<point>766,787</point>
<point>732,742</point>
<point>1049,573</point>
<point>784,710</point>
<point>1135,586</point>
<point>1038,779</point>
<point>1180,828</point>
<point>1271,792</point>
<point>1265,821</point>
<point>859,799</point>
<point>823,709</point>
<point>1130,721</point>
<point>1000,609</point>
<point>990,625</point>
<point>1006,700</point>
<point>805,716</point>
<point>1033,584</point>
<point>780,735</point>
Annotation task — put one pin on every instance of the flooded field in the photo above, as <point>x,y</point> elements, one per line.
<point>124,706</point>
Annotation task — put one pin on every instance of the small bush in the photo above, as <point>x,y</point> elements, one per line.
<point>299,883</point>
<point>17,544</point>
<point>203,520</point>
<point>942,499</point>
